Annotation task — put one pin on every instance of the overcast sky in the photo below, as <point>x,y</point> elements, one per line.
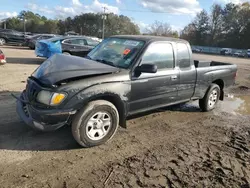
<point>177,13</point>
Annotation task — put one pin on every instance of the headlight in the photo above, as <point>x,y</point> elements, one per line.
<point>50,98</point>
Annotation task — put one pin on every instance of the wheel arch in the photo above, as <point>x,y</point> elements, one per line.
<point>119,104</point>
<point>221,84</point>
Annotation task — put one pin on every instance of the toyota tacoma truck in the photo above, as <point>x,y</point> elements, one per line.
<point>122,76</point>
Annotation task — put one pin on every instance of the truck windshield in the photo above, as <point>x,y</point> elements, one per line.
<point>117,52</point>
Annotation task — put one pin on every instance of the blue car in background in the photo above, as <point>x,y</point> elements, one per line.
<point>69,45</point>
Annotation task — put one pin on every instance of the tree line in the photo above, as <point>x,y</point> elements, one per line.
<point>85,24</point>
<point>224,26</point>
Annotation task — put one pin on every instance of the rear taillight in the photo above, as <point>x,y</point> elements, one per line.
<point>2,56</point>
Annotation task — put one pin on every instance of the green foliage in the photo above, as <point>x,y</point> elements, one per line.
<point>85,24</point>
<point>91,24</point>
<point>227,26</point>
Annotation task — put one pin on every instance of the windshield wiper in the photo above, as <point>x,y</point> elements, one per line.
<point>106,62</point>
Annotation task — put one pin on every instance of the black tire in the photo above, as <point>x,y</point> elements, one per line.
<point>80,120</point>
<point>205,103</point>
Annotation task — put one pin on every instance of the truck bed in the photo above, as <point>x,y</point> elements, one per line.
<point>209,72</point>
<point>199,64</point>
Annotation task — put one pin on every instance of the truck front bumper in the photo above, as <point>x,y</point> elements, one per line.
<point>40,119</point>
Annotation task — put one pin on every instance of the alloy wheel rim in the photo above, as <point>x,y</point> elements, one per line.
<point>2,41</point>
<point>98,126</point>
<point>213,98</point>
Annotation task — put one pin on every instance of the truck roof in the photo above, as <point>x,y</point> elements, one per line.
<point>149,38</point>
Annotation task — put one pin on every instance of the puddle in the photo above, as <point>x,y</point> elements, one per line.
<point>236,105</point>
<point>239,105</point>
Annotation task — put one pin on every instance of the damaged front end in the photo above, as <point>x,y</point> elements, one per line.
<point>39,116</point>
<point>62,85</point>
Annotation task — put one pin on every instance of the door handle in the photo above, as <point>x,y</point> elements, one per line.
<point>173,78</point>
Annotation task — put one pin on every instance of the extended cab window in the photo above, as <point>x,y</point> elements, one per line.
<point>160,54</point>
<point>183,56</point>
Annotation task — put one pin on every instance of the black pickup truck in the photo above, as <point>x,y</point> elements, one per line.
<point>122,76</point>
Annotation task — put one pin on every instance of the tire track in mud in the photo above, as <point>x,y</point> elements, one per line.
<point>194,163</point>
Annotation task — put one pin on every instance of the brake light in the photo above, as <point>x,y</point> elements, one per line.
<point>2,56</point>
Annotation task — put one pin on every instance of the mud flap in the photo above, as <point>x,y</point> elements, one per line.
<point>123,123</point>
<point>222,95</point>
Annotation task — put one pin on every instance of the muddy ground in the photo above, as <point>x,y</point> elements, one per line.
<point>171,147</point>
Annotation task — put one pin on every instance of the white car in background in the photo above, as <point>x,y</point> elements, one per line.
<point>226,51</point>
<point>97,39</point>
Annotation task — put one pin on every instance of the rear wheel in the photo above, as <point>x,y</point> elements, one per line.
<point>95,124</point>
<point>2,41</point>
<point>210,99</point>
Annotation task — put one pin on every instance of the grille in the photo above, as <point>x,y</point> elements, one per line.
<point>32,90</point>
<point>25,109</point>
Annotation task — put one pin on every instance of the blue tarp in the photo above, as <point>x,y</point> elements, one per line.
<point>46,48</point>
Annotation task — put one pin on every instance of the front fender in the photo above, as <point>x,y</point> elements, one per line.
<point>117,93</point>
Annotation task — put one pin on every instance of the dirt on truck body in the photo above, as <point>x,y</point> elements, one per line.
<point>177,146</point>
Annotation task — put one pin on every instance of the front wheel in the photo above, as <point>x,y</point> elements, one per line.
<point>210,99</point>
<point>95,124</point>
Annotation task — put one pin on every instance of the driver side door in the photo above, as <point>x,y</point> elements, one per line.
<point>153,90</point>
<point>16,37</point>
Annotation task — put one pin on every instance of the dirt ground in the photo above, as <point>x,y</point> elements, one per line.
<point>172,147</point>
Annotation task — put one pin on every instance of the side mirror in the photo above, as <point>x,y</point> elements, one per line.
<point>146,68</point>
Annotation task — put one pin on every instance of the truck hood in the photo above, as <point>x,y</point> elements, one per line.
<point>61,67</point>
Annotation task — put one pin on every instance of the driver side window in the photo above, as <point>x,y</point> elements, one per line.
<point>160,54</point>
